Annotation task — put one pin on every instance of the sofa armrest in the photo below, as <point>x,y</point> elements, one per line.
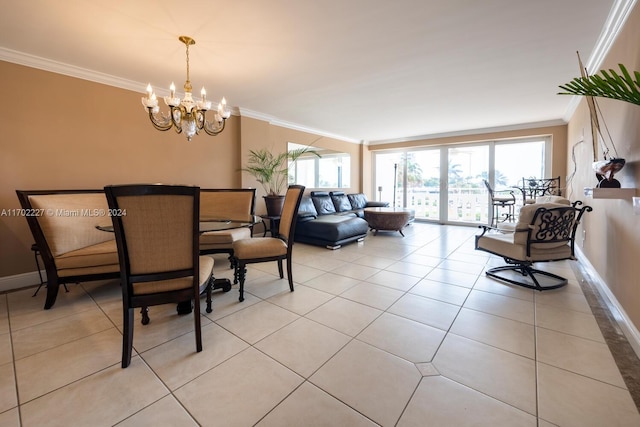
<point>305,215</point>
<point>372,204</point>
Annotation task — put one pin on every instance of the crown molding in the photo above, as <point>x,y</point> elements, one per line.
<point>244,112</point>
<point>467,132</point>
<point>45,64</point>
<point>613,26</point>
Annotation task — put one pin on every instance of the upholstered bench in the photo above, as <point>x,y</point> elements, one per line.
<point>63,225</point>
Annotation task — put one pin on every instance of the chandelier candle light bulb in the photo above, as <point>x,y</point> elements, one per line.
<point>186,114</point>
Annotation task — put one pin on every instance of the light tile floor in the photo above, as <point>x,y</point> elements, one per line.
<point>392,331</point>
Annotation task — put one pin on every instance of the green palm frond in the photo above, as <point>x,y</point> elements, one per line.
<point>271,169</point>
<point>609,84</point>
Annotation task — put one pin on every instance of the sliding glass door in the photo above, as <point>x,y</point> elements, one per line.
<point>466,193</point>
<point>445,183</point>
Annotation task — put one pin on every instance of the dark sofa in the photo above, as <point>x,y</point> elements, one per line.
<point>332,219</point>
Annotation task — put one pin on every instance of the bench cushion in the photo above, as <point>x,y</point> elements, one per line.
<point>71,219</point>
<point>101,254</point>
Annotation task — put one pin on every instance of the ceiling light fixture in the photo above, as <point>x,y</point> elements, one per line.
<point>186,115</point>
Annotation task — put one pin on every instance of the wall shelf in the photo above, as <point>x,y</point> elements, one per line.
<point>610,193</point>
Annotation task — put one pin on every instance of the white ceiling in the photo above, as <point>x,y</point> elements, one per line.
<point>363,70</point>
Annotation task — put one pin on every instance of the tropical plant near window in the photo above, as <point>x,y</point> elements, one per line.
<point>270,169</point>
<point>609,84</point>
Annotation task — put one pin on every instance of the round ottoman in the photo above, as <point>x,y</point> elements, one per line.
<point>387,219</point>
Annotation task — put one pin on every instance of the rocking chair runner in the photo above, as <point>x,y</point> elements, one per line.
<point>544,232</point>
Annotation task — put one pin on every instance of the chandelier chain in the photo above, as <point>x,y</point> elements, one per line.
<point>187,84</point>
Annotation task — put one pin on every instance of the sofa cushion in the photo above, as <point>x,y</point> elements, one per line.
<point>307,209</point>
<point>323,203</point>
<point>333,228</point>
<point>341,202</point>
<point>358,201</point>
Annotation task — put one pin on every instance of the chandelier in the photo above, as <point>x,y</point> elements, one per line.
<point>186,114</point>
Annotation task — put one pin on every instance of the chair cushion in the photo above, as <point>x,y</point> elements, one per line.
<point>524,221</point>
<point>503,244</point>
<point>206,268</point>
<point>224,236</point>
<point>105,253</point>
<point>259,247</point>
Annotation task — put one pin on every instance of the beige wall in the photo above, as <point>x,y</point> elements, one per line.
<point>611,232</point>
<point>62,132</point>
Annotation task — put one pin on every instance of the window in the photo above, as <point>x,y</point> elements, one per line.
<point>444,183</point>
<point>330,170</point>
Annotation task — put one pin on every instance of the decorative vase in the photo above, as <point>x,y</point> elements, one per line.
<point>274,205</point>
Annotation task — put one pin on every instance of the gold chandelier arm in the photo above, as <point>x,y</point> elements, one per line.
<point>161,122</point>
<point>213,128</point>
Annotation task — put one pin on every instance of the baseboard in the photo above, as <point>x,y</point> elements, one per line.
<point>19,281</point>
<point>626,325</point>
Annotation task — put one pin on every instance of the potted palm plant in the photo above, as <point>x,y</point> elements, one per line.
<point>271,171</point>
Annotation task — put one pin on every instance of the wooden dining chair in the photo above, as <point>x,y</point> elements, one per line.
<point>157,236</point>
<point>264,249</point>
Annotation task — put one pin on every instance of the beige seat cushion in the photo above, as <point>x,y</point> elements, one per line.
<point>259,247</point>
<point>503,244</point>
<point>101,254</point>
<point>206,268</point>
<point>224,237</point>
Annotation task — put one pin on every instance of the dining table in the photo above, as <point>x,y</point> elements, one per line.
<point>207,224</point>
